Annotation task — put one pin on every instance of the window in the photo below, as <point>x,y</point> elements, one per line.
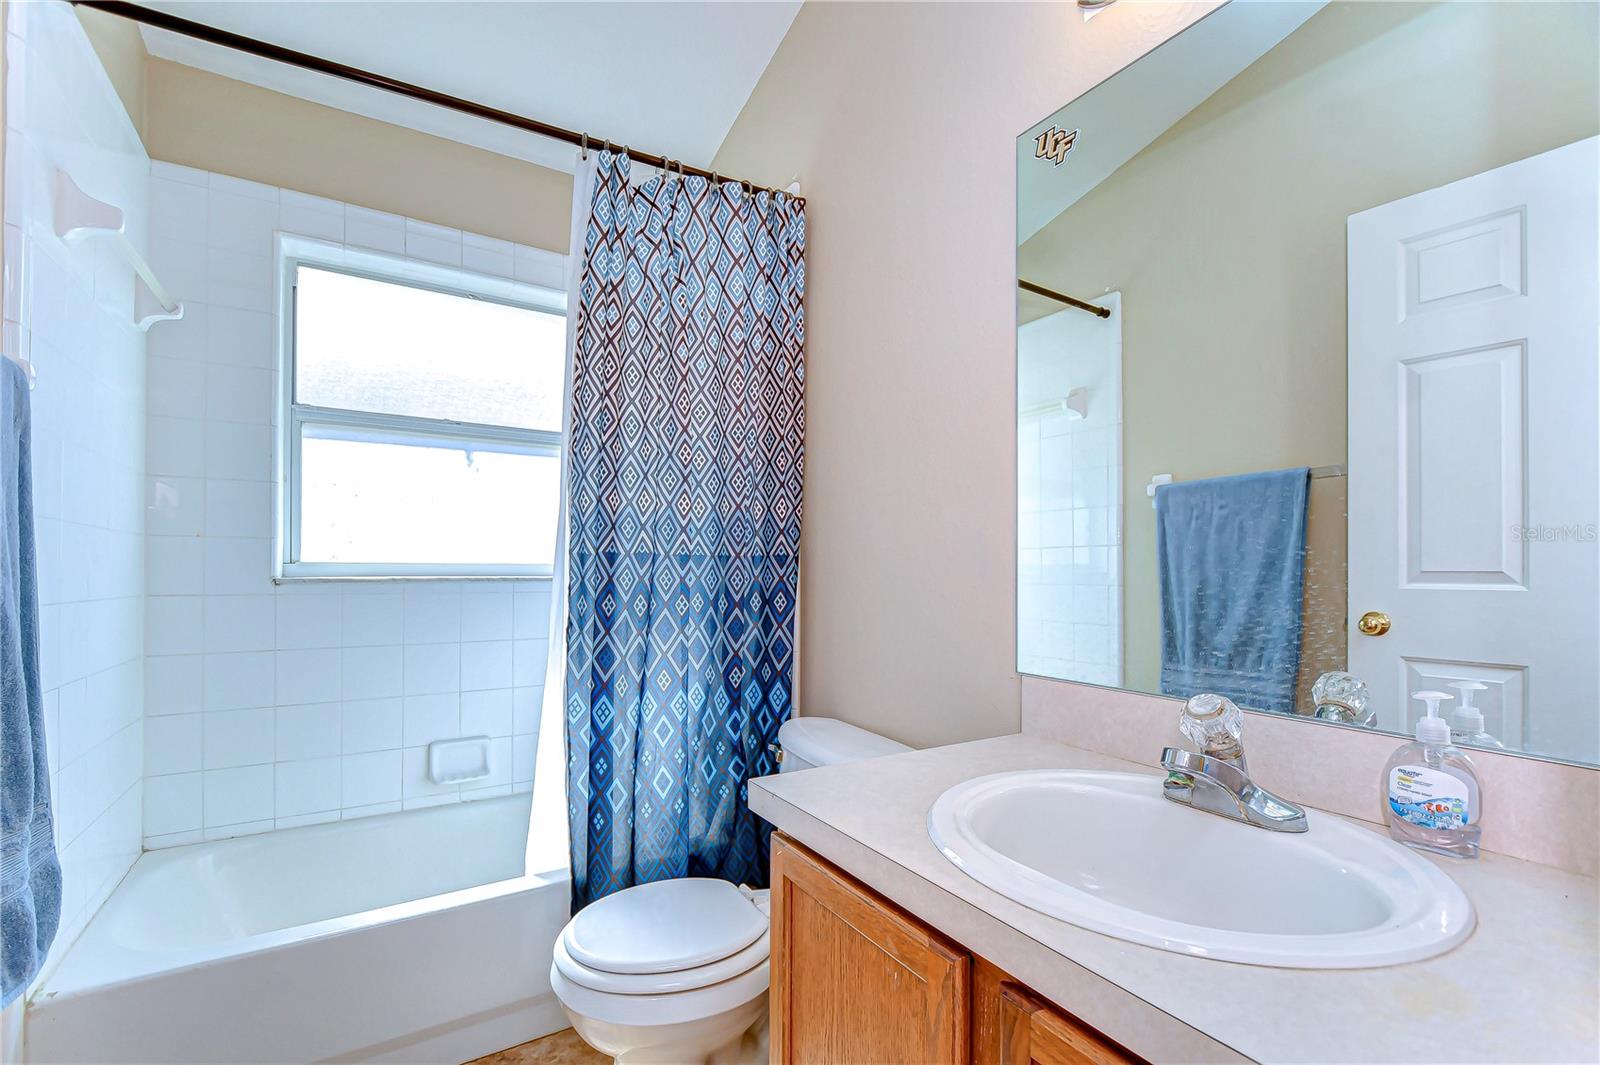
<point>422,426</point>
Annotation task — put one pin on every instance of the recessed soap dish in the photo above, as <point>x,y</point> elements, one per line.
<point>458,761</point>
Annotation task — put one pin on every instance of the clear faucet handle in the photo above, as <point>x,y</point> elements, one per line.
<point>1215,724</point>
<point>1341,696</point>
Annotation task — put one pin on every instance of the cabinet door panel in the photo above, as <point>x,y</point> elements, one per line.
<point>855,980</point>
<point>1032,1033</point>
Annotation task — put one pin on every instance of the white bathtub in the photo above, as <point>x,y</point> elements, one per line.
<point>407,937</point>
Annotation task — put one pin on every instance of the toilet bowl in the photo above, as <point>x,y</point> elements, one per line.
<point>670,972</point>
<point>676,971</point>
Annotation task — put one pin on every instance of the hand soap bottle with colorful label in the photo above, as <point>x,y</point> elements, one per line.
<point>1431,789</point>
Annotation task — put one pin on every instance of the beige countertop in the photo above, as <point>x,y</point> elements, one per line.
<point>1522,988</point>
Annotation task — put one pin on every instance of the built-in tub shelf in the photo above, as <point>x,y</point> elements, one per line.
<point>80,217</point>
<point>458,761</point>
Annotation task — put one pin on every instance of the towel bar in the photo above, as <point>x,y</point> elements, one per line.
<point>1337,469</point>
<point>79,216</point>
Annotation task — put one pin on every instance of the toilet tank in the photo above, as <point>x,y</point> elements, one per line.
<point>814,741</point>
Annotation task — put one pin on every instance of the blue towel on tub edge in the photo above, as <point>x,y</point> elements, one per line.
<point>30,874</point>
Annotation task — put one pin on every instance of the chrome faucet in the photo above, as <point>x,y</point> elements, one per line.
<point>1216,779</point>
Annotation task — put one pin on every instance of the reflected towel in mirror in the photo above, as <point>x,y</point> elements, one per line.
<point>1230,557</point>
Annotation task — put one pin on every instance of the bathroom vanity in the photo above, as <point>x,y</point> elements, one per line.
<point>1298,424</point>
<point>884,949</point>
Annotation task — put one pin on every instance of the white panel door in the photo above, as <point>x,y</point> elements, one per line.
<point>1475,447</point>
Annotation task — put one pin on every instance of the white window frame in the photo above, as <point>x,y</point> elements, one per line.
<point>295,252</point>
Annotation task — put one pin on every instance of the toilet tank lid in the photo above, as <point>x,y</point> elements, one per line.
<point>827,741</point>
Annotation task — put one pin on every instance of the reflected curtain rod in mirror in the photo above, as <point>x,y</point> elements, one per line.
<point>1062,297</point>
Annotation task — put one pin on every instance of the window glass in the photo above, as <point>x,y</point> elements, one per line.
<point>380,499</point>
<point>369,345</point>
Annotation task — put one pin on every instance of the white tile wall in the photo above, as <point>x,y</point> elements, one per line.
<point>274,706</point>
<point>69,310</point>
<point>1069,538</point>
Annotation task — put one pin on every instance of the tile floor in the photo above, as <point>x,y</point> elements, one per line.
<point>561,1048</point>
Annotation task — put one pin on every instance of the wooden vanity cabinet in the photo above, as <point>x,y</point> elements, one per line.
<point>1031,1032</point>
<point>855,980</point>
<point>858,981</point>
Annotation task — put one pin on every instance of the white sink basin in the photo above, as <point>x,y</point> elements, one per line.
<point>1105,851</point>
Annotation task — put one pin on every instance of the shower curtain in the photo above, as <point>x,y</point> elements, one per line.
<point>687,444</point>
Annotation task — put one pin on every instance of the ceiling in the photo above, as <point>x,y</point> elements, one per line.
<point>666,78</point>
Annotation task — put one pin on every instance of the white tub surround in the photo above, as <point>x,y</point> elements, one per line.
<point>404,937</point>
<point>1521,988</point>
<point>69,310</point>
<point>276,705</point>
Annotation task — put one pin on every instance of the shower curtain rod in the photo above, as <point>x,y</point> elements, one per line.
<point>1062,297</point>
<point>211,34</point>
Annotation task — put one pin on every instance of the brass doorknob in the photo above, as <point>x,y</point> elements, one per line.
<point>1373,623</point>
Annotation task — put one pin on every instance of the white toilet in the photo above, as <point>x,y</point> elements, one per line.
<point>676,971</point>
<point>813,741</point>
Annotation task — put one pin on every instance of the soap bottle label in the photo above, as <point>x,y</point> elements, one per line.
<point>1428,798</point>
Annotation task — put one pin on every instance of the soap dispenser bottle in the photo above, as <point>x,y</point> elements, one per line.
<point>1432,789</point>
<point>1466,720</point>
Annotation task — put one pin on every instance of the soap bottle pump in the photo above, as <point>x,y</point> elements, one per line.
<point>1432,789</point>
<point>1466,720</point>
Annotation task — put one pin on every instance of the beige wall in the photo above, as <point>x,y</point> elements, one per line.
<point>215,123</point>
<point>121,51</point>
<point>1226,236</point>
<point>901,120</point>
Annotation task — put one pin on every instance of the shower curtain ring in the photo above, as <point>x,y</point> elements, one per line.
<point>584,148</point>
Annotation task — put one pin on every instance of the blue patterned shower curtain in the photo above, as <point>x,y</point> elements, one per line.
<point>687,444</point>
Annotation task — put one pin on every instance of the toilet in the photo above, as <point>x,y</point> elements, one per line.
<point>676,971</point>
<point>813,741</point>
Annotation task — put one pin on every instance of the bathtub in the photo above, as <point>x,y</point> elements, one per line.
<point>412,936</point>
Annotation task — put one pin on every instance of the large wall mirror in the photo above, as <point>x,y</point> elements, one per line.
<point>1307,353</point>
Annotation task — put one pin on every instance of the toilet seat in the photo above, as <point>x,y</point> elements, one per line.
<point>676,1007</point>
<point>668,952</point>
<point>736,964</point>
<point>664,926</point>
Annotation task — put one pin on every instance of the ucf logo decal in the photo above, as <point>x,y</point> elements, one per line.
<point>1054,144</point>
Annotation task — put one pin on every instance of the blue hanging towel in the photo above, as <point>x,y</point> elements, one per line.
<point>30,875</point>
<point>1230,552</point>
